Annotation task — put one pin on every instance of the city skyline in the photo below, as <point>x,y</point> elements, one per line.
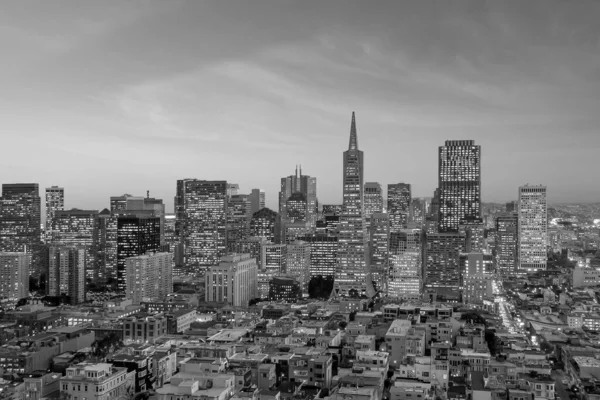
<point>93,87</point>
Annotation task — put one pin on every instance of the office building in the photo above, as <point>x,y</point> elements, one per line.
<point>274,257</point>
<point>291,231</point>
<point>146,206</point>
<point>442,270</point>
<point>459,184</point>
<point>512,206</point>
<point>297,264</point>
<point>373,198</point>
<point>149,277</point>
<point>238,219</point>
<point>14,269</point>
<point>379,249</point>
<point>474,231</point>
<point>55,201</point>
<point>405,264</point>
<point>262,224</point>
<point>533,228</point>
<point>119,203</point>
<point>351,272</point>
<point>433,215</point>
<point>476,277</point>
<point>66,272</point>
<point>252,245</point>
<point>296,208</point>
<point>506,243</point>
<point>304,184</point>
<point>257,200</point>
<point>106,248</point>
<point>136,235</point>
<point>398,205</point>
<point>331,209</point>
<point>285,289</point>
<point>201,212</point>
<point>323,254</point>
<point>233,281</point>
<point>233,189</point>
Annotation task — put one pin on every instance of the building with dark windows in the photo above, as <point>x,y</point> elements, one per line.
<point>307,186</point>
<point>201,212</point>
<point>459,184</point>
<point>284,289</point>
<point>106,248</point>
<point>14,270</point>
<point>442,271</point>
<point>506,243</point>
<point>119,203</point>
<point>66,272</point>
<point>373,198</point>
<point>323,254</point>
<point>146,206</point>
<point>257,200</point>
<point>55,201</point>
<point>331,209</point>
<point>398,205</point>
<point>136,235</point>
<point>263,224</point>
<point>296,208</point>
<point>352,275</point>
<point>239,214</point>
<point>533,228</point>
<point>379,249</point>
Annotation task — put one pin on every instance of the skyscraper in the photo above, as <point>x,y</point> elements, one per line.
<point>136,235</point>
<point>238,219</point>
<point>305,185</point>
<point>55,201</point>
<point>119,203</point>
<point>77,228</point>
<point>442,270</point>
<point>351,272</point>
<point>398,205</point>
<point>296,208</point>
<point>459,184</point>
<point>146,206</point>
<point>533,228</point>
<point>14,270</point>
<point>379,249</point>
<point>405,264</point>
<point>298,263</point>
<point>257,200</point>
<point>201,212</point>
<point>149,276</point>
<point>507,242</point>
<point>263,223</point>
<point>373,198</point>
<point>323,254</point>
<point>418,211</point>
<point>66,272</point>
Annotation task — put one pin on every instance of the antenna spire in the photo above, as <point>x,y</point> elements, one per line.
<point>353,145</point>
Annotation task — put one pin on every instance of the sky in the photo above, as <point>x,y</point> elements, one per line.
<point>111,97</point>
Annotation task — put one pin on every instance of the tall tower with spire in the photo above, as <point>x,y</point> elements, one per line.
<point>352,275</point>
<point>304,184</point>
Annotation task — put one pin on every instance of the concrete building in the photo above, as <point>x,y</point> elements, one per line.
<point>403,340</point>
<point>442,252</point>
<point>373,198</point>
<point>233,281</point>
<point>298,263</point>
<point>533,228</point>
<point>476,277</point>
<point>66,272</point>
<point>398,205</point>
<point>55,201</point>
<point>379,249</point>
<point>99,381</point>
<point>149,277</point>
<point>14,270</point>
<point>583,277</point>
<point>146,329</point>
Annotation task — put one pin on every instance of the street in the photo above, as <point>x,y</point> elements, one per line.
<point>561,391</point>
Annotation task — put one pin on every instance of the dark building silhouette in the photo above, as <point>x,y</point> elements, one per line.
<point>263,224</point>
<point>284,289</point>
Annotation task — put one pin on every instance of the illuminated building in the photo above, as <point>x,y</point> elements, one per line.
<point>474,231</point>
<point>238,219</point>
<point>257,200</point>
<point>418,211</point>
<point>297,262</point>
<point>507,242</point>
<point>398,205</point>
<point>119,203</point>
<point>262,283</point>
<point>253,246</point>
<point>331,209</point>
<point>284,289</point>
<point>296,208</point>
<point>263,223</point>
<point>170,238</point>
<point>149,277</point>
<point>146,206</point>
<point>323,254</point>
<point>533,228</point>
<point>273,258</point>
<point>233,281</point>
<point>305,185</point>
<point>20,221</point>
<point>77,228</point>
<point>373,199</point>
<point>66,272</point>
<point>405,264</point>
<point>351,272</point>
<point>442,268</point>
<point>55,201</point>
<point>106,248</point>
<point>379,249</point>
<point>459,184</point>
<point>201,212</point>
<point>14,269</point>
<point>136,235</point>
<point>293,230</point>
<point>476,277</point>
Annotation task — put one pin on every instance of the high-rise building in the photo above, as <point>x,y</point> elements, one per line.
<point>418,211</point>
<point>379,249</point>
<point>433,215</point>
<point>257,200</point>
<point>20,221</point>
<point>273,258</point>
<point>305,185</point>
<point>507,243</point>
<point>55,201</point>
<point>263,224</point>
<point>14,269</point>
<point>170,238</point>
<point>296,208</point>
<point>78,228</point>
<point>398,205</point>
<point>232,189</point>
<point>136,235</point>
<point>373,198</point>
<point>512,206</point>
<point>149,277</point>
<point>253,246</point>
<point>476,277</point>
<point>533,228</point>
<point>331,209</point>
<point>298,262</point>
<point>405,264</point>
<point>459,184</point>
<point>146,206</point>
<point>238,219</point>
<point>119,203</point>
<point>475,232</point>
<point>351,272</point>
<point>291,231</point>
<point>66,272</point>
<point>201,212</point>
<point>323,254</point>
<point>233,281</point>
<point>442,270</point>
<point>106,248</point>
<point>285,289</point>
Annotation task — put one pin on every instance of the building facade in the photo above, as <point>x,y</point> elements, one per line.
<point>233,281</point>
<point>66,272</point>
<point>373,198</point>
<point>55,201</point>
<point>304,184</point>
<point>398,205</point>
<point>149,277</point>
<point>14,269</point>
<point>533,228</point>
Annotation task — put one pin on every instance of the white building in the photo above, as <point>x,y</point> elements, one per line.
<point>97,381</point>
<point>14,270</point>
<point>533,228</point>
<point>149,277</point>
<point>233,281</point>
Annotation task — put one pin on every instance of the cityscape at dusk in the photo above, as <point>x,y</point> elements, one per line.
<point>300,200</point>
